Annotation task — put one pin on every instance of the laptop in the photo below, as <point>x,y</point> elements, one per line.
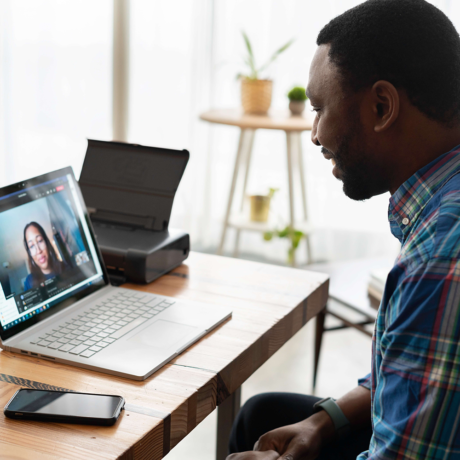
<point>56,301</point>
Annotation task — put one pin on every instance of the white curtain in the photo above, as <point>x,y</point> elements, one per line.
<point>55,83</point>
<point>55,91</point>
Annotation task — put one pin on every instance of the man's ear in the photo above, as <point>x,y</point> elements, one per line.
<point>385,105</point>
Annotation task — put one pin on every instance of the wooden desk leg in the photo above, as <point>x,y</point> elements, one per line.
<point>226,414</point>
<point>232,189</point>
<point>318,340</point>
<point>289,139</point>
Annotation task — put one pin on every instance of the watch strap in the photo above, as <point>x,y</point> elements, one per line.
<point>341,423</point>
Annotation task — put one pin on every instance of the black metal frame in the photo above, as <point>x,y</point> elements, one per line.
<point>320,329</point>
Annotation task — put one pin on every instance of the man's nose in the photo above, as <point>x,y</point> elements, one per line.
<point>314,133</point>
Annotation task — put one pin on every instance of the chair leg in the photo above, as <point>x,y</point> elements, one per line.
<point>318,340</point>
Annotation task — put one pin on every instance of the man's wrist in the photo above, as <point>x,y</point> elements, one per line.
<point>340,421</point>
<point>322,424</point>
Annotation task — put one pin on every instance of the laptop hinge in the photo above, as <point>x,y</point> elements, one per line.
<point>117,277</point>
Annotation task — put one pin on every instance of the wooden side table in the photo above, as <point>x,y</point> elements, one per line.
<point>293,126</point>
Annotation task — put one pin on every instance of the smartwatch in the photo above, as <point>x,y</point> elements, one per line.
<point>341,424</point>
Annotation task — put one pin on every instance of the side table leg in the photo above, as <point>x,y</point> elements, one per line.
<point>289,139</point>
<point>302,176</point>
<point>232,190</point>
<point>236,249</point>
<point>226,414</point>
<point>304,194</point>
<point>248,153</point>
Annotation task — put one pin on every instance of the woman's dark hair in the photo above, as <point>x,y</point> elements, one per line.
<point>55,263</point>
<point>410,43</point>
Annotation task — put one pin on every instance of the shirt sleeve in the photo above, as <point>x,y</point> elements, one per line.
<point>417,386</point>
<point>365,382</point>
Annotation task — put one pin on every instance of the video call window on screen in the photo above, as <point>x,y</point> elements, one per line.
<point>43,248</point>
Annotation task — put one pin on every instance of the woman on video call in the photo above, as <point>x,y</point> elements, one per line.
<point>43,262</point>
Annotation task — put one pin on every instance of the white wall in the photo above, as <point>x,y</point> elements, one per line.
<point>56,86</point>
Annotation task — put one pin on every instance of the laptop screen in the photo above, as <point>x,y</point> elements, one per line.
<point>48,258</point>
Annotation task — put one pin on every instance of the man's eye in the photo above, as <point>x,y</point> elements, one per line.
<point>317,112</point>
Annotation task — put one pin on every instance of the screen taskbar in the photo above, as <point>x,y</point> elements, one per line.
<point>48,303</point>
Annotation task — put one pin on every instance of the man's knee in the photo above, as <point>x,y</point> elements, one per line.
<point>248,426</point>
<point>257,405</point>
<point>265,412</point>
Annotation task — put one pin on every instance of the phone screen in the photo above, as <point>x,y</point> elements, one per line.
<point>65,404</point>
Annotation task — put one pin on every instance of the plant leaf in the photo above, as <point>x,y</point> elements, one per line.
<point>268,236</point>
<point>272,192</point>
<point>284,233</point>
<point>295,242</point>
<point>276,54</point>
<point>251,61</point>
<point>290,255</point>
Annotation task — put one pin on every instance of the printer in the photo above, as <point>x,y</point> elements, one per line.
<point>129,191</point>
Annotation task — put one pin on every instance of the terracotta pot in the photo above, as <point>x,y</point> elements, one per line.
<point>260,206</point>
<point>297,107</point>
<point>256,95</point>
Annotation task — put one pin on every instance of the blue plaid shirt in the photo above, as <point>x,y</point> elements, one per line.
<point>415,378</point>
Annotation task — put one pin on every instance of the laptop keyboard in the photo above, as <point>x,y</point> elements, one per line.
<point>105,323</point>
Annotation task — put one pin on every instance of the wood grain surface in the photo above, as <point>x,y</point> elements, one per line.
<point>270,304</point>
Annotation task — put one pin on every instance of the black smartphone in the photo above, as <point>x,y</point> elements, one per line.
<point>63,407</point>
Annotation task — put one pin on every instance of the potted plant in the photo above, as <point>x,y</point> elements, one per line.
<point>256,93</point>
<point>293,235</point>
<point>297,98</point>
<point>260,206</point>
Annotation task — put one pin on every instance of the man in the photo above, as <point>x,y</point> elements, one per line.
<point>385,86</point>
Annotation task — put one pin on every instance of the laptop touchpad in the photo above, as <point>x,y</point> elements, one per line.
<point>163,334</point>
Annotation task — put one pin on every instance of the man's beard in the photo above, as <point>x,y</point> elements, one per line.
<point>353,161</point>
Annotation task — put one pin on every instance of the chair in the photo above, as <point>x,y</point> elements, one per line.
<point>348,288</point>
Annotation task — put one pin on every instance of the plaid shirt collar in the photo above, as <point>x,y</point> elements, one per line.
<point>412,196</point>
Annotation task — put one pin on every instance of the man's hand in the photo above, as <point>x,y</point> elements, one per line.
<point>267,455</point>
<point>302,440</point>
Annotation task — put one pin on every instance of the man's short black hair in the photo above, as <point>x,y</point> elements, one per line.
<point>410,43</point>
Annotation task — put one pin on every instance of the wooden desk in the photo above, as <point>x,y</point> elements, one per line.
<point>281,120</point>
<point>270,304</point>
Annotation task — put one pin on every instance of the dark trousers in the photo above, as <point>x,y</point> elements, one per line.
<point>268,411</point>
